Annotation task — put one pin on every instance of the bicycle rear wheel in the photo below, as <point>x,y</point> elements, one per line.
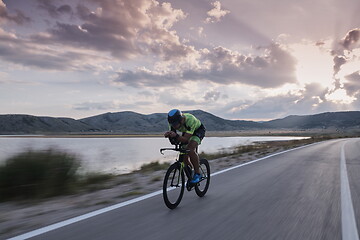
<point>202,187</point>
<point>173,187</point>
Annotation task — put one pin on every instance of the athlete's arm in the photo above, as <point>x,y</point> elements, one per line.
<point>183,139</point>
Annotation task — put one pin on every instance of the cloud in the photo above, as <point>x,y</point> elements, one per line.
<point>145,77</point>
<point>90,106</point>
<point>273,68</point>
<point>320,43</point>
<point>338,62</point>
<point>124,28</point>
<point>182,100</point>
<point>350,42</point>
<point>212,96</point>
<point>346,88</point>
<point>352,39</point>
<point>310,99</point>
<point>113,105</point>
<point>216,13</point>
<point>18,18</point>
<point>352,85</point>
<point>21,51</point>
<point>53,10</point>
<point>4,77</point>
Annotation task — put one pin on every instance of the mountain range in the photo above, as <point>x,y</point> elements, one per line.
<point>131,122</point>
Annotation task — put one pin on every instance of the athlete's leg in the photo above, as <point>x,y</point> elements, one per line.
<point>187,160</point>
<point>194,157</point>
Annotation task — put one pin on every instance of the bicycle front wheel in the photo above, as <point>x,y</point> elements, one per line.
<point>173,187</point>
<point>202,187</point>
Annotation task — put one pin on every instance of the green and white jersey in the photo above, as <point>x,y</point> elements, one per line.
<point>191,124</point>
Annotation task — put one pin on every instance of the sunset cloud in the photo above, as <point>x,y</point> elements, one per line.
<point>223,66</point>
<point>129,30</point>
<point>124,28</point>
<point>30,54</point>
<point>308,100</point>
<point>216,13</point>
<point>350,42</point>
<point>352,85</point>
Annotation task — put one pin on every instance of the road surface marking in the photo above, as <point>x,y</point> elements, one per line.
<point>348,222</point>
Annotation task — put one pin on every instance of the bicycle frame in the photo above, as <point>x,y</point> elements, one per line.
<point>179,148</point>
<point>180,160</point>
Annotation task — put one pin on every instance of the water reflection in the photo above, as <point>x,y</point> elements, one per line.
<point>117,155</point>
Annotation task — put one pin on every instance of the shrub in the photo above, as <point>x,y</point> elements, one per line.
<point>34,174</point>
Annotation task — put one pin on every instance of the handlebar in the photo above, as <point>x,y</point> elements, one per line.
<point>177,148</point>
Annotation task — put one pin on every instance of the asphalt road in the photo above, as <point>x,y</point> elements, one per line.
<point>301,194</point>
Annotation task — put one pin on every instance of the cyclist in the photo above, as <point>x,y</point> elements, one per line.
<point>193,131</point>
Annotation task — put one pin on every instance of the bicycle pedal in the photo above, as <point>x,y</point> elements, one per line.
<point>189,186</point>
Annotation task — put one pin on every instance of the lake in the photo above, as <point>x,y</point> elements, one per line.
<point>118,155</point>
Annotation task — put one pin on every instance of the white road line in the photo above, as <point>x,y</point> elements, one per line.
<point>348,222</point>
<point>83,217</point>
<point>123,204</point>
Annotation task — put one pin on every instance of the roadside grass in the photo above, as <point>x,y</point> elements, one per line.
<point>153,166</point>
<point>239,150</point>
<point>96,178</point>
<point>126,180</point>
<point>263,147</point>
<point>38,174</point>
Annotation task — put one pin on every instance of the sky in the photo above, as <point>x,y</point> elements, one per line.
<point>237,59</point>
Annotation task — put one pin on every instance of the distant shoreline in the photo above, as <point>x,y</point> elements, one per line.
<point>84,136</point>
<point>247,133</point>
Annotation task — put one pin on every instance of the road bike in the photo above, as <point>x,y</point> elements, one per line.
<point>174,181</point>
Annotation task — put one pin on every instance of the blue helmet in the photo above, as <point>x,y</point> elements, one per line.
<point>175,117</point>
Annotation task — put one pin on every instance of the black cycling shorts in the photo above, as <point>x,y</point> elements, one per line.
<point>200,132</point>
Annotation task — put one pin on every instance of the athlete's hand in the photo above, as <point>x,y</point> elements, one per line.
<point>170,134</point>
<point>167,134</point>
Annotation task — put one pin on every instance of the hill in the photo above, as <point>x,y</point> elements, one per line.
<point>323,120</point>
<point>128,122</point>
<point>28,124</point>
<point>132,122</point>
<point>214,123</point>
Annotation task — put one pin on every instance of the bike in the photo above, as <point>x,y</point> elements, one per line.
<point>174,181</point>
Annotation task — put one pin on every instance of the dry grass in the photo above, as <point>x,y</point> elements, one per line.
<point>153,166</point>
<point>263,147</point>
